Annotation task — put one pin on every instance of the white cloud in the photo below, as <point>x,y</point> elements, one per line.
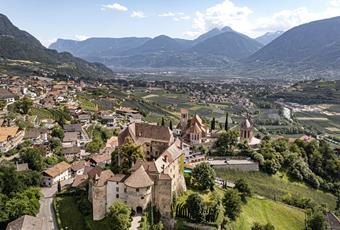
<point>167,14</point>
<point>115,6</point>
<point>237,17</point>
<point>137,14</point>
<point>222,14</point>
<point>81,37</point>
<point>176,16</point>
<point>335,3</point>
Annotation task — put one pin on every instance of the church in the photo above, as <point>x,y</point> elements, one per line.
<point>246,132</point>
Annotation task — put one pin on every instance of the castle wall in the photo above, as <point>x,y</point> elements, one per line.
<point>163,196</point>
<point>99,202</point>
<point>111,191</point>
<point>140,198</point>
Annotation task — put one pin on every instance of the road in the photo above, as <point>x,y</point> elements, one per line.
<point>135,222</point>
<point>46,212</point>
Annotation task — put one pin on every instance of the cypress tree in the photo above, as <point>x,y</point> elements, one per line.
<point>213,124</point>
<point>170,125</point>
<point>163,122</point>
<point>226,125</point>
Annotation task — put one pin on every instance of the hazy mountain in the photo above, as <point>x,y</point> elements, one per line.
<point>304,43</point>
<point>269,37</point>
<point>16,44</point>
<point>160,44</point>
<point>228,43</point>
<point>94,47</point>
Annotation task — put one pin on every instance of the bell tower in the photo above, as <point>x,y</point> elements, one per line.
<point>184,118</point>
<point>246,129</point>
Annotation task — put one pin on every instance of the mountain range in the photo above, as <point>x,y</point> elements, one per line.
<point>214,48</point>
<point>20,50</point>
<point>311,49</point>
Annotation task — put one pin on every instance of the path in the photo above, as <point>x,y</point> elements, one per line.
<point>135,222</point>
<point>46,212</point>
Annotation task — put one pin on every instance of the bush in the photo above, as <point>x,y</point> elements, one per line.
<point>232,204</point>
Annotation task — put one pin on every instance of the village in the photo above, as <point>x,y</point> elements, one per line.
<point>113,154</point>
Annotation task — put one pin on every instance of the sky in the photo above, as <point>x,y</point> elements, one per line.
<point>49,20</point>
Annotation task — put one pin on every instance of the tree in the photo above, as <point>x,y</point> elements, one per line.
<point>213,123</point>
<point>226,124</point>
<point>203,176</point>
<point>163,122</point>
<point>59,186</point>
<point>232,204</point>
<point>170,125</point>
<point>227,141</point>
<point>23,105</point>
<point>243,187</point>
<point>94,146</point>
<point>316,220</point>
<point>258,226</point>
<point>196,207</point>
<point>129,153</point>
<point>119,216</point>
<point>34,158</point>
<point>58,132</point>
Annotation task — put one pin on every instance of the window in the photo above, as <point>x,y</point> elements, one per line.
<point>125,190</point>
<point>117,196</point>
<point>117,183</point>
<point>117,189</point>
<point>142,197</point>
<point>137,189</point>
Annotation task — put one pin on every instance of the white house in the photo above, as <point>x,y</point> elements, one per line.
<point>58,172</point>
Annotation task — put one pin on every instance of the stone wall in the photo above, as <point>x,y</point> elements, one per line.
<point>139,199</point>
<point>163,196</point>
<point>99,202</point>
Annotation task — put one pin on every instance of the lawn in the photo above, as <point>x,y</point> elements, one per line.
<point>71,217</point>
<point>87,104</point>
<point>274,187</point>
<point>267,211</point>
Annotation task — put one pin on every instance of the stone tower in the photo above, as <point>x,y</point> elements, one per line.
<point>246,129</point>
<point>184,118</point>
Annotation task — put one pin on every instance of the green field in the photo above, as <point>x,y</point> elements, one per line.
<point>87,104</point>
<point>283,217</point>
<point>72,219</point>
<point>274,187</point>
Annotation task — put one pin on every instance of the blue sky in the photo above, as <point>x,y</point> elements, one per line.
<point>78,19</point>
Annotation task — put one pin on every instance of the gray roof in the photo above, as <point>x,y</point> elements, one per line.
<point>72,128</point>
<point>26,223</point>
<point>5,94</point>
<point>139,179</point>
<point>70,136</point>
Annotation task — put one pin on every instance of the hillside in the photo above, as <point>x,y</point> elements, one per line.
<point>266,211</point>
<point>302,43</point>
<point>16,44</point>
<point>228,44</point>
<point>269,37</point>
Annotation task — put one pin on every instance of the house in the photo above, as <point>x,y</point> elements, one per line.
<point>78,167</point>
<point>10,137</point>
<point>84,118</point>
<point>26,222</point>
<point>153,182</point>
<point>154,139</point>
<point>101,159</point>
<point>37,135</point>
<point>82,137</point>
<point>108,120</point>
<point>58,172</point>
<point>71,139</point>
<point>193,131</point>
<point>72,152</point>
<point>7,96</point>
<point>111,145</point>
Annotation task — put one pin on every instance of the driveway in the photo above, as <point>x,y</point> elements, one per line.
<point>46,212</point>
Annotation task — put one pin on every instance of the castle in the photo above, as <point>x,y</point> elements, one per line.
<point>154,181</point>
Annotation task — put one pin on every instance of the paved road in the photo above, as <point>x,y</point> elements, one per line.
<point>135,222</point>
<point>46,212</point>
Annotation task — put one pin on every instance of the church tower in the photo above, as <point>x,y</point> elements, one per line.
<point>184,118</point>
<point>246,129</point>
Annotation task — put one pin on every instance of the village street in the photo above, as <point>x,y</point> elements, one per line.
<point>46,212</point>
